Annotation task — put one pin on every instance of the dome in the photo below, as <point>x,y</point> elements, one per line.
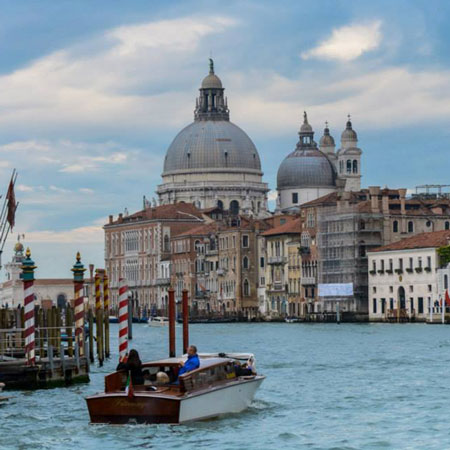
<point>211,144</point>
<point>349,134</point>
<point>211,81</point>
<point>306,168</point>
<point>326,140</point>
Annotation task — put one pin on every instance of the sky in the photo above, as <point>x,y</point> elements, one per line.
<point>92,94</point>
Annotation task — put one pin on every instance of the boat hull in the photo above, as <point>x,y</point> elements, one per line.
<point>143,407</point>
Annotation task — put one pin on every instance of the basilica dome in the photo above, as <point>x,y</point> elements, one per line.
<point>211,144</point>
<point>306,166</point>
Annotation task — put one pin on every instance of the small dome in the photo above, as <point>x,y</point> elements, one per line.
<point>211,81</point>
<point>18,248</point>
<point>306,168</point>
<point>306,127</point>
<point>326,140</point>
<point>349,134</point>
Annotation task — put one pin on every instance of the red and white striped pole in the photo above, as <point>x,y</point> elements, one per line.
<point>78,280</point>
<point>123,319</point>
<point>28,286</point>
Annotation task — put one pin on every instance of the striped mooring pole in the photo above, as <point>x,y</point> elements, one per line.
<point>123,319</point>
<point>98,317</point>
<point>28,286</point>
<point>78,282</point>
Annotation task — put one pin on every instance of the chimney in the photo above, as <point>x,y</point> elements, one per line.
<point>120,218</point>
<point>374,192</point>
<point>110,219</point>
<point>402,193</point>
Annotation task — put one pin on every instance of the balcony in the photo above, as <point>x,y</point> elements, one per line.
<point>210,252</point>
<point>162,281</point>
<point>307,281</point>
<point>277,260</point>
<point>221,272</point>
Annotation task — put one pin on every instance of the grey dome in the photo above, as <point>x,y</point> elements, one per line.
<point>349,134</point>
<point>211,81</point>
<point>326,140</point>
<point>306,168</point>
<point>212,144</point>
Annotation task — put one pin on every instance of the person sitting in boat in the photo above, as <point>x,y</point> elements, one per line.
<point>133,365</point>
<point>192,362</point>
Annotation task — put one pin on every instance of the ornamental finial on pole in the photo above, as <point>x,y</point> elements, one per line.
<point>78,269</point>
<point>28,267</point>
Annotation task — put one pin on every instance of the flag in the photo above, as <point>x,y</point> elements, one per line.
<point>447,298</point>
<point>129,388</point>
<point>11,197</point>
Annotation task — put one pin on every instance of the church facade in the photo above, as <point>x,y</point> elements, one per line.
<point>212,162</point>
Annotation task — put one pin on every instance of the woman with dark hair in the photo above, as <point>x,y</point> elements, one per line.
<point>133,365</point>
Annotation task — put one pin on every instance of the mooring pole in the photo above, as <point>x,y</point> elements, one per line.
<point>28,286</point>
<point>338,315</point>
<point>98,319</point>
<point>130,316</point>
<point>123,319</point>
<point>78,283</point>
<point>171,323</point>
<point>185,301</point>
<point>91,335</point>
<point>106,309</point>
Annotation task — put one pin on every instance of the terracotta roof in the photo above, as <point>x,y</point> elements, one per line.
<point>200,230</point>
<point>178,211</point>
<point>422,240</point>
<point>291,227</point>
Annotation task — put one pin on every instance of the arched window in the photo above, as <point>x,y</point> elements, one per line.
<point>349,166</point>
<point>245,263</point>
<point>355,166</point>
<point>447,225</point>
<point>166,243</point>
<point>220,204</point>
<point>395,226</point>
<point>246,288</point>
<point>61,301</point>
<point>410,226</point>
<point>234,207</point>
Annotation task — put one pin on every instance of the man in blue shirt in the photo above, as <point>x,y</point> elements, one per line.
<point>192,363</point>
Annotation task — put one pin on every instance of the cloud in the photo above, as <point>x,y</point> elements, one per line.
<point>272,196</point>
<point>348,43</point>
<point>24,188</point>
<point>87,234</point>
<point>116,80</point>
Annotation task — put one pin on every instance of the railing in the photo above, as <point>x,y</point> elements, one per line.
<point>162,281</point>
<point>305,281</point>
<point>277,260</point>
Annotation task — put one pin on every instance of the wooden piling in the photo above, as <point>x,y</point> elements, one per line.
<point>2,334</point>
<point>41,333</point>
<point>69,324</point>
<point>106,313</point>
<point>172,348</point>
<point>58,323</point>
<point>49,330</point>
<point>185,320</point>
<point>98,319</point>
<point>91,335</point>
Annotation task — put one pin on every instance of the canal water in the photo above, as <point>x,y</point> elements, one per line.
<point>328,387</point>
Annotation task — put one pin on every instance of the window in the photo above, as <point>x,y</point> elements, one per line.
<point>420,262</point>
<point>294,198</point>
<point>166,243</point>
<point>261,261</point>
<point>245,263</point>
<point>391,303</point>
<point>383,305</point>
<point>429,262</point>
<point>430,288</point>
<point>282,221</point>
<point>410,226</point>
<point>374,301</point>
<point>391,288</point>
<point>234,207</point>
<point>391,265</point>
<point>411,288</point>
<point>447,225</point>
<point>374,265</point>
<point>246,288</point>
<point>400,263</point>
<point>445,281</point>
<point>245,241</point>
<point>349,166</point>
<point>382,265</point>
<point>355,166</point>
<point>411,263</point>
<point>395,226</point>
<point>374,289</point>
<point>310,221</point>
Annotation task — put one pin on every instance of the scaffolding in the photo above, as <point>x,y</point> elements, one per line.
<point>345,234</point>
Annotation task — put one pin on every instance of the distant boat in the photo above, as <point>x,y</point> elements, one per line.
<point>113,319</point>
<point>292,320</point>
<point>158,321</point>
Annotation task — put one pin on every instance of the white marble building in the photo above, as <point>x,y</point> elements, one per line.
<point>407,275</point>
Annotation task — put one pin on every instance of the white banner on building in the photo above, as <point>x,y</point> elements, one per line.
<point>335,289</point>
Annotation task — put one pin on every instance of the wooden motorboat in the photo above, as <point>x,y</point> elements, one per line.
<point>212,390</point>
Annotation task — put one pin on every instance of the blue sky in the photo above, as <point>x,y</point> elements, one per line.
<point>92,93</point>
